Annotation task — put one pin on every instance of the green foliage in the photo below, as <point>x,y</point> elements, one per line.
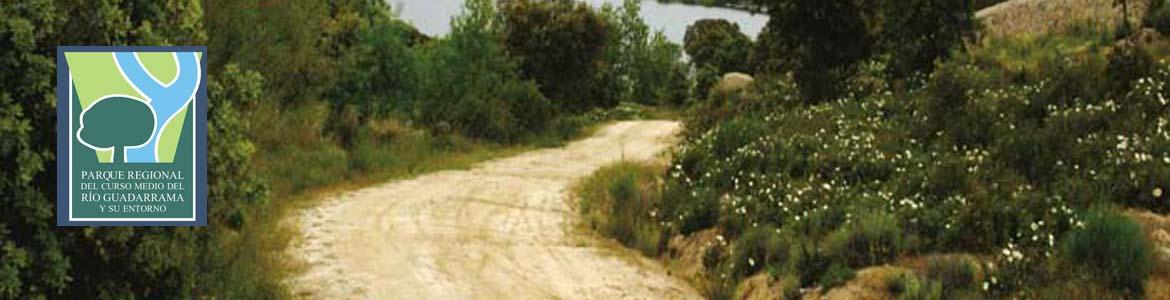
<point>641,66</point>
<point>290,44</point>
<point>953,273</point>
<point>998,152</point>
<point>718,44</point>
<point>38,260</point>
<point>906,285</point>
<point>621,201</point>
<point>760,248</point>
<point>872,240</point>
<point>232,89</point>
<point>836,275</point>
<point>378,73</point>
<point>1158,16</point>
<point>818,40</point>
<point>915,33</point>
<point>559,44</point>
<point>1127,63</point>
<point>1114,247</point>
<point>33,260</point>
<point>480,94</point>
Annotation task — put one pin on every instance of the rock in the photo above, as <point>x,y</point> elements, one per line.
<point>1161,237</point>
<point>1161,240</point>
<point>732,83</point>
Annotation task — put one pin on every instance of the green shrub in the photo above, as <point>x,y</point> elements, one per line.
<point>815,268</point>
<point>905,285</point>
<point>922,290</point>
<point>481,94</point>
<point>641,66</point>
<point>915,33</point>
<point>1114,248</point>
<point>952,272</point>
<point>717,44</point>
<point>1158,16</point>
<point>819,41</point>
<point>1127,63</point>
<point>836,275</point>
<point>621,202</point>
<point>377,72</point>
<point>872,240</point>
<point>558,44</point>
<point>41,261</point>
<point>760,248</point>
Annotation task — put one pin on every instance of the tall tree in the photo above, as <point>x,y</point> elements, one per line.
<point>559,44</point>
<point>818,40</point>
<point>915,33</point>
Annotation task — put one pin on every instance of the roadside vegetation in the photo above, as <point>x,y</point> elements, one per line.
<point>962,166</point>
<point>305,98</point>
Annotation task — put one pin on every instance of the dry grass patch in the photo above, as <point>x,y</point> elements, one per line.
<point>1049,17</point>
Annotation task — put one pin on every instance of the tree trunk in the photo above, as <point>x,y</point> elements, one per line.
<point>119,156</point>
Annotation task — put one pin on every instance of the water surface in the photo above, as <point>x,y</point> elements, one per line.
<point>433,17</point>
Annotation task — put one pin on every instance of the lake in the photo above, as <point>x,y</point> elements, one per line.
<point>433,17</point>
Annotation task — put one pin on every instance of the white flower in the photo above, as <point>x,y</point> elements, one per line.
<point>1157,192</point>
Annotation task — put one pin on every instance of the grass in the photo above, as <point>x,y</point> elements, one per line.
<point>1053,17</point>
<point>620,202</point>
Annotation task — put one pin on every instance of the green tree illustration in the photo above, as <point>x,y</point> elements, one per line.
<point>117,122</point>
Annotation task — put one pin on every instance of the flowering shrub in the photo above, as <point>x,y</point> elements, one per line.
<point>969,163</point>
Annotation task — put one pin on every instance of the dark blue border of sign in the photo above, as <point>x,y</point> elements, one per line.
<point>63,140</point>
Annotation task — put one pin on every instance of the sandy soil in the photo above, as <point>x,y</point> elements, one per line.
<point>501,230</point>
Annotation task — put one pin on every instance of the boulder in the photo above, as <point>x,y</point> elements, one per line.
<point>732,83</point>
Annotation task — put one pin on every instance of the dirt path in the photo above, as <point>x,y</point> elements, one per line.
<point>502,230</point>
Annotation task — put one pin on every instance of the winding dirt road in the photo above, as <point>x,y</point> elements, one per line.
<point>501,230</point>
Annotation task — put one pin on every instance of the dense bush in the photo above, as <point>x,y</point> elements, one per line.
<point>641,66</point>
<point>232,151</point>
<point>377,74</point>
<point>1115,248</point>
<point>818,41</point>
<point>621,201</point>
<point>290,44</point>
<point>33,258</point>
<point>953,273</point>
<point>559,44</point>
<point>905,285</point>
<point>873,239</point>
<point>997,152</point>
<point>1158,16</point>
<point>915,33</point>
<point>760,248</point>
<point>718,44</point>
<point>481,94</point>
<point>41,261</point>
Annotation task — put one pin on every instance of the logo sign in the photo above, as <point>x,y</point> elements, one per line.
<point>131,136</point>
